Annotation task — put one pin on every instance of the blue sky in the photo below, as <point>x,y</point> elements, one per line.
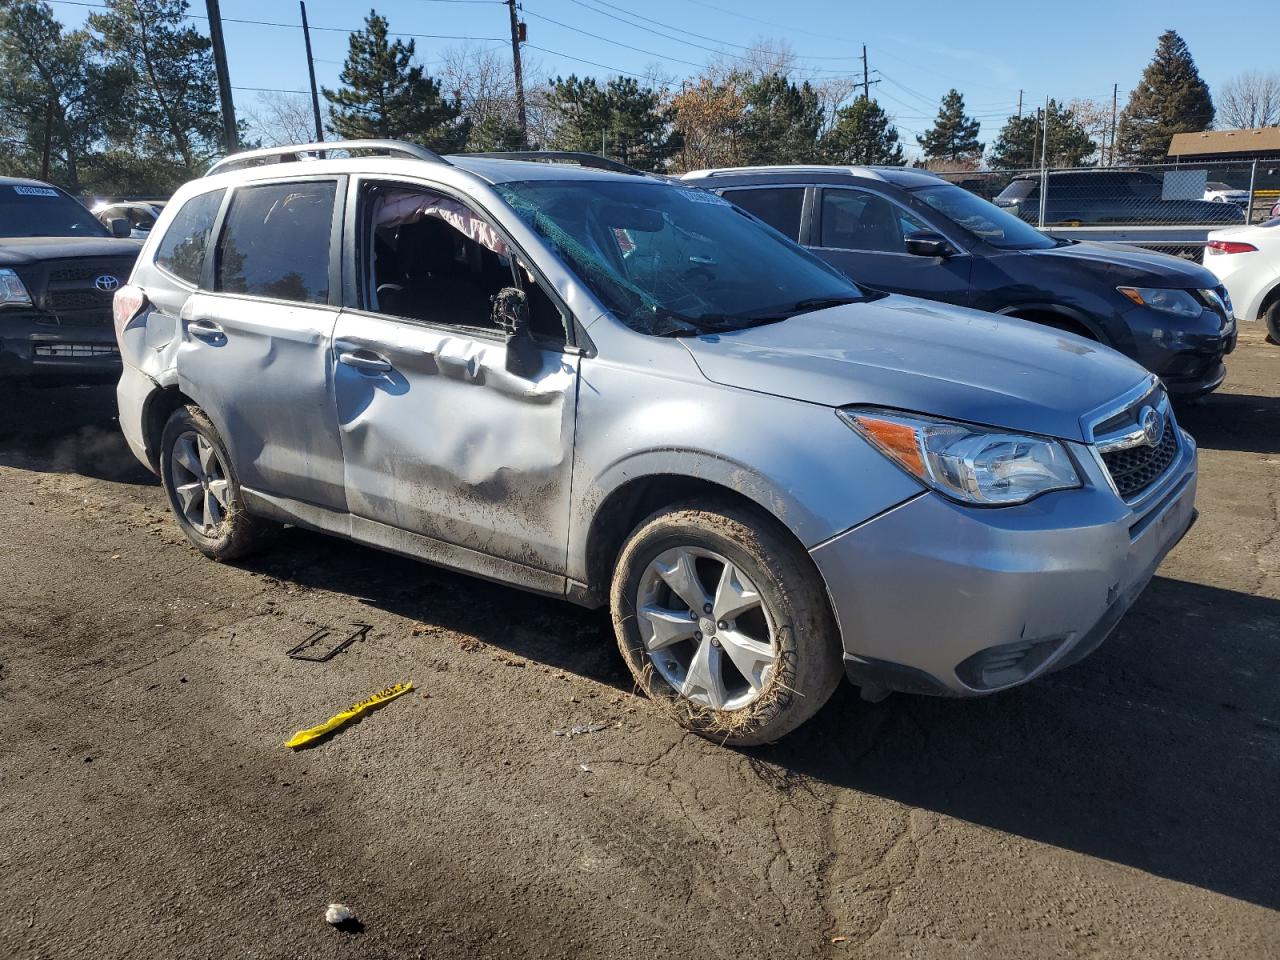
<point>988,49</point>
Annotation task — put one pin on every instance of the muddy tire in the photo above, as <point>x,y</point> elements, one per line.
<point>203,491</point>
<point>722,619</point>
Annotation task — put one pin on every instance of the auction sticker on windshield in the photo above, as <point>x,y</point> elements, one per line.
<point>704,196</point>
<point>35,191</point>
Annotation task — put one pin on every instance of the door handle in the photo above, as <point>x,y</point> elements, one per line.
<point>206,330</point>
<point>365,361</point>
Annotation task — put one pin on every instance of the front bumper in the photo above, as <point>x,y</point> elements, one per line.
<point>934,597</point>
<point>34,345</point>
<point>1187,356</point>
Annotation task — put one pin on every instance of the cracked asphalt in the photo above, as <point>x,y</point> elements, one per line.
<point>1126,807</point>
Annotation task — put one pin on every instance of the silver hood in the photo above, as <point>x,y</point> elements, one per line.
<point>925,357</point>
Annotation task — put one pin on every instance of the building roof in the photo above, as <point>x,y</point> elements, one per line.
<point>1256,140</point>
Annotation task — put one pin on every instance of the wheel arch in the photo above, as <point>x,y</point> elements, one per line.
<point>628,504</point>
<point>155,414</point>
<point>1268,299</point>
<point>1058,317</point>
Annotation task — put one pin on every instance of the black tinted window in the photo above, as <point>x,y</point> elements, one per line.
<point>778,207</point>
<point>857,220</point>
<point>276,242</point>
<point>37,210</point>
<point>182,249</point>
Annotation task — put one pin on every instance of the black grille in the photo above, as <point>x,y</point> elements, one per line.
<point>90,272</point>
<point>1137,468</point>
<point>79,300</point>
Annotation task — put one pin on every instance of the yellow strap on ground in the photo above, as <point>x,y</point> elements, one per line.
<point>303,737</point>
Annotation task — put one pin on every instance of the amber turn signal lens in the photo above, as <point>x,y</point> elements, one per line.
<point>896,439</point>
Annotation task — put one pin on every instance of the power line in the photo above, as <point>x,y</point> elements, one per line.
<point>727,43</point>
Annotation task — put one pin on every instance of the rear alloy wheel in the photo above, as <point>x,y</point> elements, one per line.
<point>722,618</point>
<point>203,493</point>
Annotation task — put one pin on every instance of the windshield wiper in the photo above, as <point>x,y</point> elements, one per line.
<point>821,303</point>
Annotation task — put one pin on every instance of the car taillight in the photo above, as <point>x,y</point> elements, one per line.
<point>129,301</point>
<point>1229,246</point>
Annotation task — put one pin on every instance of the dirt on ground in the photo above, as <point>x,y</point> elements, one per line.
<point>1125,807</point>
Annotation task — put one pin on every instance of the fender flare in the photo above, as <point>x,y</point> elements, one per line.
<point>1067,313</point>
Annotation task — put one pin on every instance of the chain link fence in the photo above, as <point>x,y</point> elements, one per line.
<point>1168,207</point>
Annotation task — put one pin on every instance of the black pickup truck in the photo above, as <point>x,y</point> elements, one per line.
<point>59,269</point>
<point>1104,197</point>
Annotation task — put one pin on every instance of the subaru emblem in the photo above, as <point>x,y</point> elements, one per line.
<point>1152,426</point>
<point>106,283</point>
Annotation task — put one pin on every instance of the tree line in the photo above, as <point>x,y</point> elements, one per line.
<point>128,105</point>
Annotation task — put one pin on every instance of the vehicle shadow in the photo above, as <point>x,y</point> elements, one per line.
<point>555,633</point>
<point>67,429</point>
<point>1234,421</point>
<point>1161,751</point>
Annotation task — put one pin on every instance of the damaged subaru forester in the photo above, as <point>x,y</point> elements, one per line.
<point>615,389</point>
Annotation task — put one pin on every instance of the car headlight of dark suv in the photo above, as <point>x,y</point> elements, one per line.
<point>1180,303</point>
<point>12,289</point>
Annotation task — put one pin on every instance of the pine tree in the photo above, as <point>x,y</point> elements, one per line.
<point>781,122</point>
<point>626,120</point>
<point>169,110</point>
<point>1171,98</point>
<point>1021,141</point>
<point>384,94</point>
<point>863,134</point>
<point>954,135</point>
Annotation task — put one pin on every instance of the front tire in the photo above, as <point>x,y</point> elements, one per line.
<point>722,619</point>
<point>203,491</point>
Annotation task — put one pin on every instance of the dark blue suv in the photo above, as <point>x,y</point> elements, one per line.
<point>910,232</point>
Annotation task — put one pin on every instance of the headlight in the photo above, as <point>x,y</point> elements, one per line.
<point>12,289</point>
<point>971,464</point>
<point>1179,302</point>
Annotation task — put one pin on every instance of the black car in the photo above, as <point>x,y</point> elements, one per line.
<point>907,231</point>
<point>1109,197</point>
<point>59,270</point>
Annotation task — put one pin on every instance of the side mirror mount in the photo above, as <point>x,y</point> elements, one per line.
<point>924,243</point>
<point>120,227</point>
<point>511,315</point>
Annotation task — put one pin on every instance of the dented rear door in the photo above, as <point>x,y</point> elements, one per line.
<point>441,440</point>
<point>255,339</point>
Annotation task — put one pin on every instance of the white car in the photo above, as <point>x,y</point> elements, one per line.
<point>1225,193</point>
<point>1247,261</point>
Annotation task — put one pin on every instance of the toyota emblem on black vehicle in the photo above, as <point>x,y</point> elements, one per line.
<point>106,283</point>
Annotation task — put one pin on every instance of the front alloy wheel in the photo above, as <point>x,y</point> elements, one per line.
<point>706,629</point>
<point>723,619</point>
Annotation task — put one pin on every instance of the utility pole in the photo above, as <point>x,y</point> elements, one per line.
<point>1019,104</point>
<point>230,136</point>
<point>517,34</point>
<point>866,80</point>
<point>1115,99</point>
<point>1044,163</point>
<point>311,71</point>
<point>49,140</point>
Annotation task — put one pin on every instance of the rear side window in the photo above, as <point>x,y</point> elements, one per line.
<point>181,251</point>
<point>276,242</point>
<point>779,207</point>
<point>1020,190</point>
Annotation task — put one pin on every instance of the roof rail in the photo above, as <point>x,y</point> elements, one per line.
<point>299,151</point>
<point>580,157</point>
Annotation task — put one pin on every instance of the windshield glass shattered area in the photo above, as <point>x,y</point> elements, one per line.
<point>673,261</point>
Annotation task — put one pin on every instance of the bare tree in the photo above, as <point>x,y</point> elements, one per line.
<point>1250,100</point>
<point>278,119</point>
<point>1094,117</point>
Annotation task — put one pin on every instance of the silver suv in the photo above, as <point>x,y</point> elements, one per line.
<point>614,389</point>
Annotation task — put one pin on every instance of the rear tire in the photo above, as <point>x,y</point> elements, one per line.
<point>203,491</point>
<point>1272,318</point>
<point>722,619</point>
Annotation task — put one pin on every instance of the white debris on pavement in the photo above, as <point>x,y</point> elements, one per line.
<point>338,913</point>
